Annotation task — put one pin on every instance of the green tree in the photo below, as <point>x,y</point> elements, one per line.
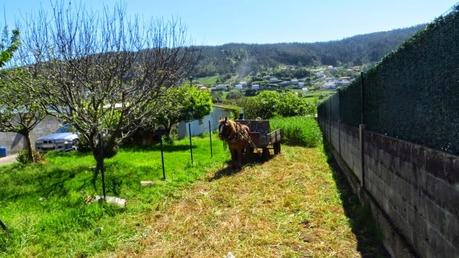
<point>7,48</point>
<point>268,104</point>
<point>8,45</point>
<point>263,105</point>
<point>20,110</point>
<point>234,94</point>
<point>177,104</point>
<point>291,104</point>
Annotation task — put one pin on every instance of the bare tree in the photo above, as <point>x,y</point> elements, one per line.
<point>104,69</point>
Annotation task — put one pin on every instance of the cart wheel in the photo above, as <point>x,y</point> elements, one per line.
<point>265,154</point>
<point>277,148</point>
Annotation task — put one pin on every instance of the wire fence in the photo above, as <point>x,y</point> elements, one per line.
<point>412,94</point>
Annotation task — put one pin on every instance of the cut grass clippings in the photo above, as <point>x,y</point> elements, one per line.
<point>289,206</point>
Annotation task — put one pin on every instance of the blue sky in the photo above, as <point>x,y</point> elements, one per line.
<point>214,22</point>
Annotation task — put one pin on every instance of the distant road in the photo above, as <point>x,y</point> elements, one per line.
<point>8,159</point>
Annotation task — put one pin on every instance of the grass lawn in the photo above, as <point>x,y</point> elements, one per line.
<point>45,209</point>
<point>209,80</point>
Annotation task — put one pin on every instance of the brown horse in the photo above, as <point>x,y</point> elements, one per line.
<point>238,138</point>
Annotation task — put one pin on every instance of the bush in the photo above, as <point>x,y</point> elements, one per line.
<point>268,104</point>
<point>24,159</point>
<point>298,130</point>
<point>234,94</point>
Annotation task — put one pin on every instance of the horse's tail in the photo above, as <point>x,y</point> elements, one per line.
<point>249,139</point>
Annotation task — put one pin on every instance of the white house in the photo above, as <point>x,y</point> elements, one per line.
<point>255,87</point>
<point>331,68</point>
<point>221,87</point>
<point>238,86</point>
<point>274,80</point>
<point>331,84</point>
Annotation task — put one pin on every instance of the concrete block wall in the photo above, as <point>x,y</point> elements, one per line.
<point>15,142</point>
<point>419,190</point>
<point>345,139</point>
<point>412,189</point>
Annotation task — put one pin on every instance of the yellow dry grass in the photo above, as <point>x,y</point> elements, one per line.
<point>286,207</point>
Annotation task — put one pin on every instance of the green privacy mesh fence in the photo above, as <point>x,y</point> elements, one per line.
<point>413,93</point>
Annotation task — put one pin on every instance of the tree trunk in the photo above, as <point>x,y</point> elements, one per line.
<point>26,135</point>
<point>98,154</point>
<point>99,165</point>
<point>168,129</point>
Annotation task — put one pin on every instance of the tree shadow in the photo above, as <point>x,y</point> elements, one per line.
<point>369,236</point>
<point>45,184</point>
<point>249,160</point>
<point>166,148</point>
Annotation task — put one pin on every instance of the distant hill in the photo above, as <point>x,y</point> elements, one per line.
<point>244,58</point>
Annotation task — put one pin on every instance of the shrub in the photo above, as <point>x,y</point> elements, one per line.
<point>298,130</point>
<point>24,159</point>
<point>268,104</point>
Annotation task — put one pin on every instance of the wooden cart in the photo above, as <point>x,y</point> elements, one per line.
<point>262,137</point>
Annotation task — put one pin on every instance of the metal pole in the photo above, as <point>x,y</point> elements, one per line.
<point>210,139</point>
<point>101,167</point>
<point>362,99</point>
<point>162,156</point>
<point>191,144</point>
<point>362,131</point>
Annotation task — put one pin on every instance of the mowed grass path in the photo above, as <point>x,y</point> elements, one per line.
<point>289,206</point>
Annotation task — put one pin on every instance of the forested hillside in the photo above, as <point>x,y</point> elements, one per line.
<point>244,58</point>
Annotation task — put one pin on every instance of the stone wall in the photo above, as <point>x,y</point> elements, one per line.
<point>413,190</point>
<point>15,142</point>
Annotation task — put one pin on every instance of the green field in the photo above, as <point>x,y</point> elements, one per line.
<point>45,209</point>
<point>209,80</point>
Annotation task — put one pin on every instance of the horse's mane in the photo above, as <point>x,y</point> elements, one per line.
<point>232,126</point>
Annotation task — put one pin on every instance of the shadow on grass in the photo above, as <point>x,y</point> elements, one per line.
<point>249,160</point>
<point>369,236</point>
<point>47,184</point>
<point>166,148</point>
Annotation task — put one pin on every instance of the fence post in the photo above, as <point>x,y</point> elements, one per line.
<point>362,153</point>
<point>329,119</point>
<point>339,122</point>
<point>362,130</point>
<point>339,136</point>
<point>210,139</point>
<point>162,157</point>
<point>191,144</point>
<point>362,99</point>
<point>101,166</point>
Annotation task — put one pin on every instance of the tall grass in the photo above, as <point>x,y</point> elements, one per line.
<point>298,130</point>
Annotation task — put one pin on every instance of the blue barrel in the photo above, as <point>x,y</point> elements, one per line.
<point>3,151</point>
